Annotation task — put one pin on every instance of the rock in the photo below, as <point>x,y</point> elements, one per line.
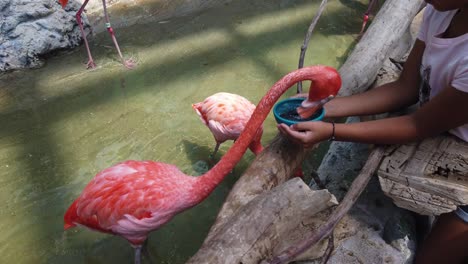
<point>375,230</point>
<point>32,29</point>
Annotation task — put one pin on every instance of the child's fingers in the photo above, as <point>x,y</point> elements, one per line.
<point>294,134</point>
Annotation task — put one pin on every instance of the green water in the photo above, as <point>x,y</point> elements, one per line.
<point>61,124</point>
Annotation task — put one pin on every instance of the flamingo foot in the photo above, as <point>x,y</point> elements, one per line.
<point>90,64</point>
<point>130,63</point>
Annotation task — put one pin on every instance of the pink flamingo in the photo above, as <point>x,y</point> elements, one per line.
<point>133,198</point>
<point>226,115</point>
<point>129,64</point>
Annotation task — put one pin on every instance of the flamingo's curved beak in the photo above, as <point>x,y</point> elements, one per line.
<point>323,88</point>
<point>308,108</point>
<point>63,3</point>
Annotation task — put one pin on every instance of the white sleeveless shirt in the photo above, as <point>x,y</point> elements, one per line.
<point>445,60</point>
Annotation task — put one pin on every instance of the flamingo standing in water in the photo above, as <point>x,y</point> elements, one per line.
<point>129,64</point>
<point>133,198</point>
<point>226,115</point>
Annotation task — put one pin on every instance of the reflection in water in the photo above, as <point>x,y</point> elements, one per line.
<point>62,124</point>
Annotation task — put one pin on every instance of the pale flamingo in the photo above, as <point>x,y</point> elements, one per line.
<point>129,64</point>
<point>133,198</point>
<point>226,115</point>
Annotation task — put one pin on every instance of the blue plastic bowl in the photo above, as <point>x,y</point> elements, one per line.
<point>289,105</point>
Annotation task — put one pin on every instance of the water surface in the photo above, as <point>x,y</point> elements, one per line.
<point>62,124</point>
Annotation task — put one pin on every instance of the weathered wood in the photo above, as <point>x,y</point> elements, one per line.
<point>387,36</point>
<point>280,159</point>
<point>282,210</point>
<point>429,177</point>
<point>325,230</point>
<point>274,166</point>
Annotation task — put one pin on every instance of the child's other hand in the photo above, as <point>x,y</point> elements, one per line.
<point>307,133</point>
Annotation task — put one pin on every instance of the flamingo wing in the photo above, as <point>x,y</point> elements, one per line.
<point>225,114</point>
<point>131,199</point>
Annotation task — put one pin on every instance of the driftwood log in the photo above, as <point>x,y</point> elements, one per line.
<point>388,36</point>
<point>428,177</point>
<point>325,230</point>
<point>292,201</point>
<point>277,163</point>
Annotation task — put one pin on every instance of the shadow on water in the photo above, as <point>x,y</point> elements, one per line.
<point>199,157</point>
<point>32,120</point>
<point>86,96</point>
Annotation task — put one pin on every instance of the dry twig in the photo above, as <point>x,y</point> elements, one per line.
<point>307,39</point>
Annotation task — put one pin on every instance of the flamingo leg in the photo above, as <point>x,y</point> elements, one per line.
<point>129,64</point>
<point>90,64</point>
<point>215,150</point>
<point>366,15</point>
<point>137,253</point>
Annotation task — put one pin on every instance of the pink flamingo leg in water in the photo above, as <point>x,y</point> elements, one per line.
<point>366,15</point>
<point>137,254</point>
<point>365,19</point>
<point>90,64</point>
<point>129,64</point>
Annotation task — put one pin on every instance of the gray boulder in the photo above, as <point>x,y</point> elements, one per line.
<point>29,30</point>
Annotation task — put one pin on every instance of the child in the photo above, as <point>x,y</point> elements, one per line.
<point>436,75</point>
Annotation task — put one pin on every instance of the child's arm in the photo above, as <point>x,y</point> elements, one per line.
<point>447,110</point>
<point>388,97</point>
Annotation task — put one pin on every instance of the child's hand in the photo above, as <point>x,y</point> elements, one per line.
<point>307,133</point>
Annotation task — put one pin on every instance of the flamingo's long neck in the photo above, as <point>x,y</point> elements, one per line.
<point>208,181</point>
<point>256,147</point>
